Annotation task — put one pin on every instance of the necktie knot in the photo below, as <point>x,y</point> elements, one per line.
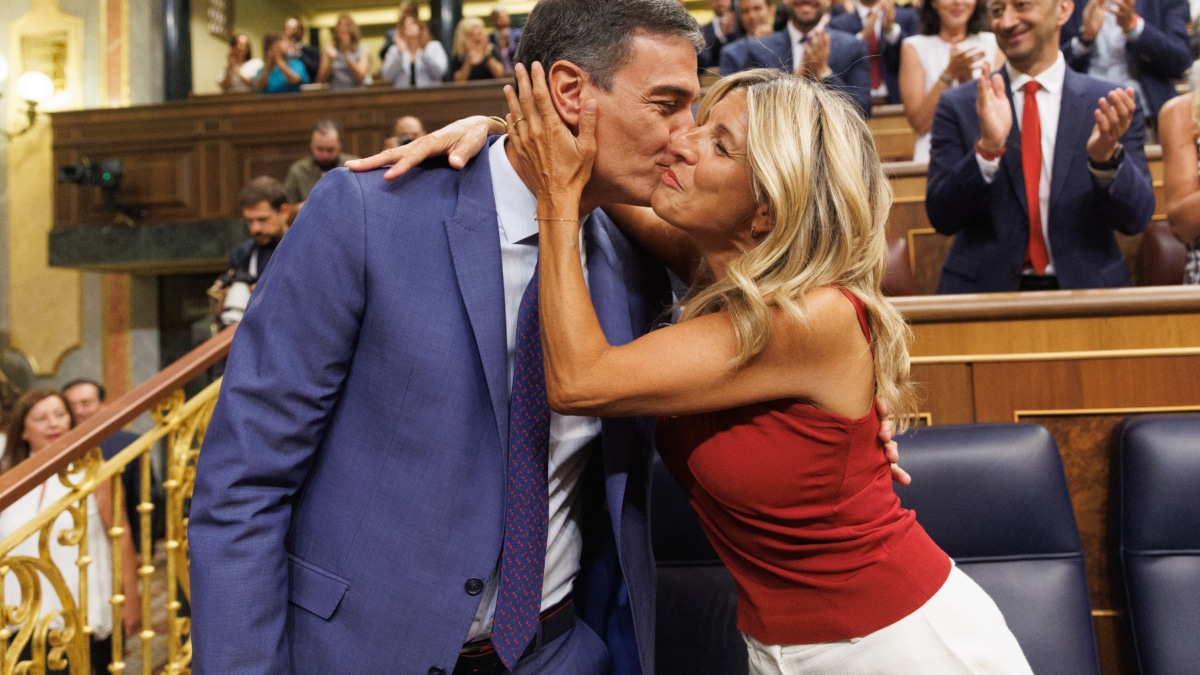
<point>1031,88</point>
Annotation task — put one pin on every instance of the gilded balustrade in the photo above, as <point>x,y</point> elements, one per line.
<point>59,638</point>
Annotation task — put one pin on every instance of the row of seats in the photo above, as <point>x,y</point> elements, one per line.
<point>995,498</point>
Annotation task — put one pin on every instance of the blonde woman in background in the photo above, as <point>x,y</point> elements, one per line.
<point>414,60</point>
<point>474,57</point>
<point>774,209</point>
<point>1179,134</point>
<point>953,44</point>
<point>345,64</point>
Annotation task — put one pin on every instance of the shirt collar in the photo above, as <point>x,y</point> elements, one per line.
<point>1051,79</point>
<point>515,204</point>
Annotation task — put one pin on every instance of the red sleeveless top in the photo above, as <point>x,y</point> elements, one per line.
<point>798,503</point>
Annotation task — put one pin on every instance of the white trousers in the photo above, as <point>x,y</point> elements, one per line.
<point>959,630</point>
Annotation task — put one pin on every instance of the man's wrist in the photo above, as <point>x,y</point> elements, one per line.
<point>989,151</point>
<point>1112,163</point>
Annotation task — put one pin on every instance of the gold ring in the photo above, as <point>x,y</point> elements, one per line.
<point>519,120</point>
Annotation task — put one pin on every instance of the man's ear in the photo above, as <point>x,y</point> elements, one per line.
<point>568,85</point>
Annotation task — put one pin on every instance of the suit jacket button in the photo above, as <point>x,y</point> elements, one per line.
<point>434,670</point>
<point>474,586</point>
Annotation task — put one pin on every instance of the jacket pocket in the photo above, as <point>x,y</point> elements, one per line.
<point>314,589</point>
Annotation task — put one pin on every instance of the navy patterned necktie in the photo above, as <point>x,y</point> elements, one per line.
<point>526,512</point>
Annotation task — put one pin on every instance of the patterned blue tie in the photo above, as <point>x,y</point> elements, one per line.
<point>526,513</point>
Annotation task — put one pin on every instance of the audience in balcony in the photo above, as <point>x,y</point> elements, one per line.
<point>951,49</point>
<point>504,37</point>
<point>86,398</point>
<point>39,418</point>
<point>991,176</point>
<point>309,55</point>
<point>241,68</point>
<point>414,60</point>
<point>723,29</point>
<point>281,72</point>
<point>473,57</point>
<point>324,155</point>
<point>407,8</point>
<point>407,129</point>
<point>1179,134</point>
<point>881,26</point>
<point>267,212</point>
<point>345,64</point>
<point>1142,44</point>
<point>808,48</point>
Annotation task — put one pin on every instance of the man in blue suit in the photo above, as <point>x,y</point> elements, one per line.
<point>349,510</point>
<point>1033,145</point>
<point>504,37</point>
<point>886,26</point>
<point>806,47</point>
<point>1134,43</point>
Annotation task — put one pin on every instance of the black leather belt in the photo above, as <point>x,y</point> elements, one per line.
<point>1039,282</point>
<point>480,658</point>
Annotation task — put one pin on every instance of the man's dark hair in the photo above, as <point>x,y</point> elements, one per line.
<point>263,189</point>
<point>596,35</point>
<point>100,393</point>
<point>327,125</point>
<point>931,23</point>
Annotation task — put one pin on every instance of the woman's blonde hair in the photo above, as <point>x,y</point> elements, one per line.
<point>460,34</point>
<point>814,166</point>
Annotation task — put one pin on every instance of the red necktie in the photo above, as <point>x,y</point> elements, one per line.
<point>873,52</point>
<point>1031,164</point>
<point>526,512</point>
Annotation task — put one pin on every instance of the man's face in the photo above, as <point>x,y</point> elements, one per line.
<point>293,30</point>
<point>754,13</point>
<point>501,19</point>
<point>649,102</point>
<point>84,400</point>
<point>325,148</point>
<point>720,7</point>
<point>409,126</point>
<point>806,13</point>
<point>1027,30</point>
<point>265,223</point>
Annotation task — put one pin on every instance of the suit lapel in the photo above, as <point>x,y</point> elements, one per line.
<point>1016,175</point>
<point>473,233</point>
<point>1072,136</point>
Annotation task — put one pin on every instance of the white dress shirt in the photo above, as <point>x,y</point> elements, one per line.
<point>516,207</point>
<point>1110,57</point>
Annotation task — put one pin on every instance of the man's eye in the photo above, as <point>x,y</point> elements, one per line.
<point>668,107</point>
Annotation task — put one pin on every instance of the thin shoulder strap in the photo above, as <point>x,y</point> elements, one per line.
<point>861,310</point>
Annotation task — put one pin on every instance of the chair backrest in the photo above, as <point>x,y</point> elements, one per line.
<point>994,497</point>
<point>899,278</point>
<point>1159,464</point>
<point>696,630</point>
<point>1161,257</point>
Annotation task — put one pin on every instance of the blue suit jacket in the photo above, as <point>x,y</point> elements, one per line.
<point>991,222</point>
<point>351,481</point>
<point>847,60</point>
<point>1158,58</point>
<point>889,54</point>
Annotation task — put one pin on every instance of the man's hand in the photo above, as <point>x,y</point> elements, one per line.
<point>461,140</point>
<point>816,56</point>
<point>1113,117</point>
<point>891,451</point>
<point>994,111</point>
<point>869,23</point>
<point>889,16</point>
<point>1093,19</point>
<point>1125,11</point>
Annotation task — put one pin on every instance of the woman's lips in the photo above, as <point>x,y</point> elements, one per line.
<point>671,179</point>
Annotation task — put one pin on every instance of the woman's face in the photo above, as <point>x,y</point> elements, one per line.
<point>954,14</point>
<point>344,31</point>
<point>45,422</point>
<point>409,27</point>
<point>476,36</point>
<point>706,191</point>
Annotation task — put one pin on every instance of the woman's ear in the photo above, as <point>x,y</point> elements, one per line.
<point>762,222</point>
<point>568,84</point>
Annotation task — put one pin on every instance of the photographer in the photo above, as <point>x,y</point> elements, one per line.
<point>266,210</point>
<point>407,129</point>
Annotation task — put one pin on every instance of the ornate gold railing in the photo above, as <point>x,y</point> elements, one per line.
<point>44,626</point>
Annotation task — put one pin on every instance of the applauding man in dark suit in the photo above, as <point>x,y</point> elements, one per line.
<point>1034,168</point>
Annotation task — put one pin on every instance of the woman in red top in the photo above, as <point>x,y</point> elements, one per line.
<point>774,209</point>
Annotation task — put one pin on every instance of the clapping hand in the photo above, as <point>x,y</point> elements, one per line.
<point>816,56</point>
<point>1093,19</point>
<point>963,61</point>
<point>1113,117</point>
<point>994,111</point>
<point>1125,11</point>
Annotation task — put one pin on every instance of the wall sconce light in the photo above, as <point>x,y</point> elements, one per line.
<point>34,88</point>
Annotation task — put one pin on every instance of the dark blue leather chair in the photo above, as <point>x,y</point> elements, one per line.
<point>1159,465</point>
<point>696,630</point>
<point>994,497</point>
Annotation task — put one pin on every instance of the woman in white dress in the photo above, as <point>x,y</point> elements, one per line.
<point>39,418</point>
<point>950,50</point>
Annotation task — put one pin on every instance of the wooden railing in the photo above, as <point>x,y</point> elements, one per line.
<point>60,638</point>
